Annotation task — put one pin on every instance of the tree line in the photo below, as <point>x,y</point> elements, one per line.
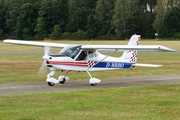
<point>89,19</point>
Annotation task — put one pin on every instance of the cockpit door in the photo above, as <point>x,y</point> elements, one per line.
<point>85,56</point>
<point>82,56</point>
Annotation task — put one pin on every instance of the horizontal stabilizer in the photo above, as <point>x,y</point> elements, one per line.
<point>58,45</point>
<point>146,65</point>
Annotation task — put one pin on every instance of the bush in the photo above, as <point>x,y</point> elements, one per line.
<point>1,32</point>
<point>74,36</point>
<point>81,35</point>
<point>65,35</point>
<point>176,36</point>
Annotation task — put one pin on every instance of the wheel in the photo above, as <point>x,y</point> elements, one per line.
<point>50,83</point>
<point>93,84</point>
<point>62,82</point>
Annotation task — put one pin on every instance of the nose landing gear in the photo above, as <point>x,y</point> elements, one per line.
<point>52,81</point>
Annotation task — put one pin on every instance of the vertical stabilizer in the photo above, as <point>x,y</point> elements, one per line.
<point>128,55</point>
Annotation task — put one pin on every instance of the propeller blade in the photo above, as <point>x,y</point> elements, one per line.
<point>43,69</point>
<point>46,50</point>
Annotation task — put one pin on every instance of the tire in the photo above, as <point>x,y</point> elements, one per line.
<point>51,83</point>
<point>62,82</point>
<point>93,84</point>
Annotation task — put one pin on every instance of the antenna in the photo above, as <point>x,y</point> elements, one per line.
<point>90,42</point>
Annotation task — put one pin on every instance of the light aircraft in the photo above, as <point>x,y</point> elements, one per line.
<point>87,58</point>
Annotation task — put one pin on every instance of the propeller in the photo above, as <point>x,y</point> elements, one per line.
<point>43,68</point>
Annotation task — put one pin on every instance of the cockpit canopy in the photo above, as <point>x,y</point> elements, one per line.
<point>71,50</point>
<point>74,50</point>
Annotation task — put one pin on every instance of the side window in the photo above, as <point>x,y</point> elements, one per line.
<point>90,54</point>
<point>82,56</point>
<point>96,54</point>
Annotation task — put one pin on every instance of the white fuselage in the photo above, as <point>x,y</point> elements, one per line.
<point>93,62</point>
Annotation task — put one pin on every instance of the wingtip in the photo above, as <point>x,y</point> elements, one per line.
<point>166,49</point>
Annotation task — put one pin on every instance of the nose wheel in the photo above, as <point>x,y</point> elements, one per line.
<point>51,83</point>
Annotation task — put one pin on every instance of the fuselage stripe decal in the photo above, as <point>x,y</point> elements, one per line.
<point>99,65</point>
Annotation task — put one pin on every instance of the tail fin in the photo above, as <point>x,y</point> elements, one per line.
<point>128,55</point>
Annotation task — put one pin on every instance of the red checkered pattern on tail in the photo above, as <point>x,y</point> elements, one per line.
<point>137,42</point>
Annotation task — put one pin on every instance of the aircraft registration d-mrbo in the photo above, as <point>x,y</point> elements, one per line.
<point>87,58</point>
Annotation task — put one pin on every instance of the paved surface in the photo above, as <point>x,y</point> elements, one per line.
<point>40,87</point>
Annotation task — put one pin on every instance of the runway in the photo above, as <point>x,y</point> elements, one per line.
<point>41,87</point>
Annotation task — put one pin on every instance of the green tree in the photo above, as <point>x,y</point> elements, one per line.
<point>151,4</point>
<point>171,24</point>
<point>12,16</point>
<point>2,19</point>
<point>78,20</point>
<point>124,10</point>
<point>73,5</point>
<point>163,6</point>
<point>56,34</point>
<point>53,13</point>
<point>92,27</point>
<point>89,3</point>
<point>104,12</point>
<point>13,12</point>
<point>40,29</point>
<point>79,11</point>
<point>26,22</point>
<point>160,12</point>
<point>145,18</point>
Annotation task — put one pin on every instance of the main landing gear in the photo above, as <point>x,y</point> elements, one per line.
<point>62,79</point>
<point>93,81</point>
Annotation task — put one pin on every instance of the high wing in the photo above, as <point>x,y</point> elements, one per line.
<point>93,47</point>
<point>47,44</point>
<point>128,47</point>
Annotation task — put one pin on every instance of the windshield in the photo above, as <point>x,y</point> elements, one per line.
<point>71,50</point>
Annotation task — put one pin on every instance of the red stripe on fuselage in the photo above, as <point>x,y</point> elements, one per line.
<point>69,63</point>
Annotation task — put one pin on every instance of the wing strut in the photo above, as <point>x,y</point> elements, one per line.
<point>92,64</point>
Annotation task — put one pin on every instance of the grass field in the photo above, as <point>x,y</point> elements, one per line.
<point>158,102</point>
<point>25,67</point>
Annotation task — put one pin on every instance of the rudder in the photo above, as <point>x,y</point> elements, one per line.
<point>131,56</point>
